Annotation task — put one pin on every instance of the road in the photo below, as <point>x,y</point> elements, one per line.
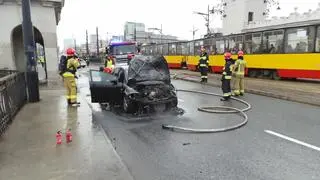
<point>281,140</point>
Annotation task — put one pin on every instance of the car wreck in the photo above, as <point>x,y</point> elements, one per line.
<point>142,86</point>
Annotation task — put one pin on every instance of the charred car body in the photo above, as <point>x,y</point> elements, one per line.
<point>141,86</point>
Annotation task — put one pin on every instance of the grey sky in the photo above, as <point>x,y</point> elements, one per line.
<point>175,16</point>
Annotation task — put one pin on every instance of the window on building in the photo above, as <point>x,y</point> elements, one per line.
<point>273,42</point>
<point>300,40</point>
<point>318,40</point>
<point>250,16</point>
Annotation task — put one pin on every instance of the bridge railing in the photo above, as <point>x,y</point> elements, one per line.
<point>12,96</point>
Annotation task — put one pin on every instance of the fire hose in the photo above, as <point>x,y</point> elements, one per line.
<point>213,109</point>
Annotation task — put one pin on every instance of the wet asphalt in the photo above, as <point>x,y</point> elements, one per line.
<point>151,152</point>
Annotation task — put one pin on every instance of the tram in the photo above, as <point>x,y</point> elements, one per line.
<point>287,51</point>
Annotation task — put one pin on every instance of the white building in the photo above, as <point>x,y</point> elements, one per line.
<point>68,43</point>
<point>45,15</point>
<point>239,13</point>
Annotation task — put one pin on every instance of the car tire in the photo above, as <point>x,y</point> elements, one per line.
<point>128,105</point>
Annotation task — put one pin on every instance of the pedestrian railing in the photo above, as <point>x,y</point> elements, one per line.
<point>12,96</point>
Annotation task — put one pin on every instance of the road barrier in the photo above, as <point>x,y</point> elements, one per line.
<point>12,96</point>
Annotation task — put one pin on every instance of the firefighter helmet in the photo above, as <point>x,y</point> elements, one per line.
<point>240,53</point>
<point>70,52</point>
<point>227,55</point>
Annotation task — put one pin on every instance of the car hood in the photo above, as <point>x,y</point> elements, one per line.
<point>148,68</point>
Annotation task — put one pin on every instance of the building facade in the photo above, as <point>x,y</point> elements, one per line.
<point>239,13</point>
<point>45,15</point>
<point>136,31</point>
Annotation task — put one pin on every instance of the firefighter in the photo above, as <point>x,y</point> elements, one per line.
<point>108,62</point>
<point>226,77</point>
<point>69,77</point>
<point>239,71</point>
<point>233,78</point>
<point>203,65</point>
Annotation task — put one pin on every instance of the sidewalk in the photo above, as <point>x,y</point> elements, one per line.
<point>298,91</point>
<point>28,150</point>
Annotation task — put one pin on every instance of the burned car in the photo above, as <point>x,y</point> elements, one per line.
<point>141,86</point>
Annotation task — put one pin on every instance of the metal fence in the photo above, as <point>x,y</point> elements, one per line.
<point>12,96</point>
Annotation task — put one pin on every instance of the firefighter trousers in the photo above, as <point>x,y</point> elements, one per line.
<point>204,74</point>
<point>71,87</point>
<point>233,82</point>
<point>239,84</point>
<point>226,89</point>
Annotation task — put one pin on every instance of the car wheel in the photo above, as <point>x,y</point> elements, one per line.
<point>128,105</point>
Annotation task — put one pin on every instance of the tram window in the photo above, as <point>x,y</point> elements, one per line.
<point>248,43</point>
<point>165,49</point>
<point>273,42</point>
<point>300,40</point>
<point>154,50</point>
<point>256,43</point>
<point>220,46</point>
<point>191,48</point>
<point>318,40</point>
<point>184,49</point>
<point>172,49</point>
<point>160,47</point>
<point>179,49</point>
<point>235,44</point>
<point>197,46</point>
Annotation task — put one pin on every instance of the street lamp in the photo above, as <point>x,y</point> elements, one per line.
<point>194,32</point>
<point>216,9</point>
<point>157,29</point>
<point>32,80</point>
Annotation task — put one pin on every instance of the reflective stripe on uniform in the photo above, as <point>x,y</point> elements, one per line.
<point>203,58</point>
<point>203,65</point>
<point>237,92</point>
<point>73,97</point>
<point>68,74</point>
<point>241,91</point>
<point>227,77</point>
<point>224,73</point>
<point>226,94</point>
<point>204,76</point>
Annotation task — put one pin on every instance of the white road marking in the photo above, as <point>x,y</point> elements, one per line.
<point>293,140</point>
<point>181,100</point>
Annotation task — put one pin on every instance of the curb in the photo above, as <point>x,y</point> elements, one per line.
<point>259,92</point>
<point>109,142</point>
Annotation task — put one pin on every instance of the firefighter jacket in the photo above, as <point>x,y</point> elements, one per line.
<point>204,60</point>
<point>240,67</point>
<point>227,71</point>
<point>108,63</point>
<point>71,69</point>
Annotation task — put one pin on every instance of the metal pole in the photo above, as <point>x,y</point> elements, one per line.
<point>87,43</point>
<point>75,44</point>
<point>208,24</point>
<point>161,34</point>
<point>135,33</point>
<point>32,80</point>
<point>97,41</point>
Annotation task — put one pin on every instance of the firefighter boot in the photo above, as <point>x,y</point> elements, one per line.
<point>226,98</point>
